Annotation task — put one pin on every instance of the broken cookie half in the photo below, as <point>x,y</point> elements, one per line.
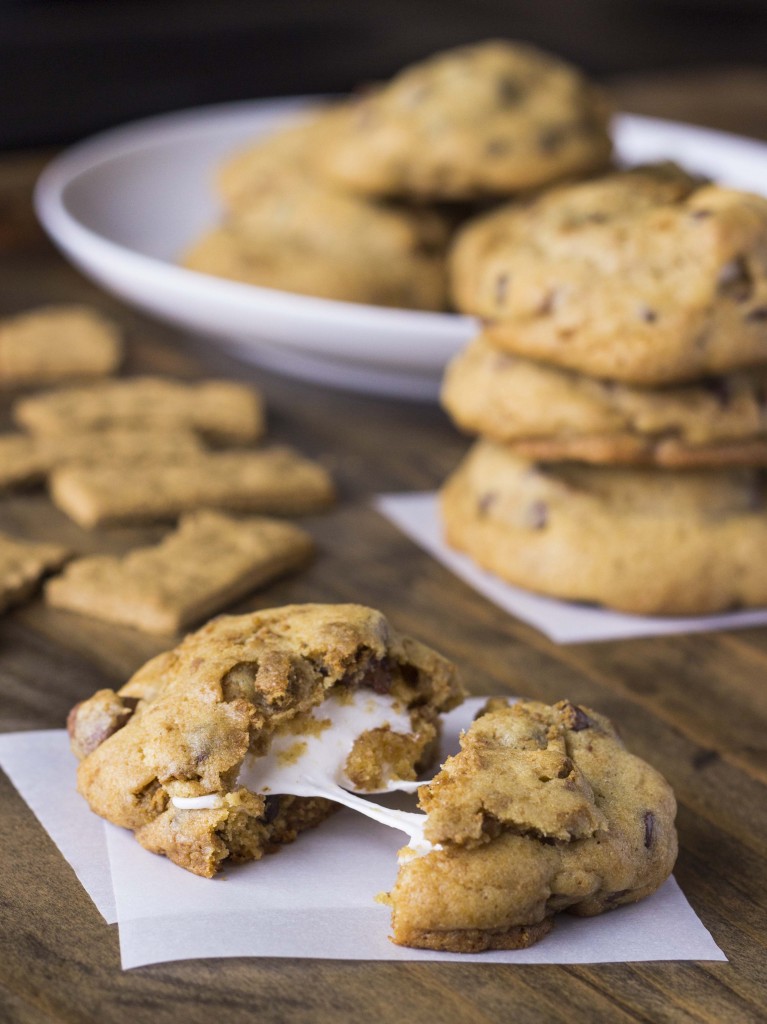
<point>191,753</point>
<point>543,810</point>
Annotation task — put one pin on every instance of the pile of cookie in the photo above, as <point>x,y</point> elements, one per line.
<point>360,201</point>
<point>619,388</point>
<point>139,450</point>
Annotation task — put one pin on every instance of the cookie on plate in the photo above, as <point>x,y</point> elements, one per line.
<point>287,227</point>
<point>547,413</point>
<point>44,346</point>
<point>490,119</point>
<point>542,811</point>
<point>290,152</point>
<point>165,755</point>
<point>299,235</point>
<point>643,276</point>
<point>647,541</point>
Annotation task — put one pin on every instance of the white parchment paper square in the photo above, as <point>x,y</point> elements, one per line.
<point>315,898</point>
<point>564,622</point>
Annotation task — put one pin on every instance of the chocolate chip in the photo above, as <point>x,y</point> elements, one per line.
<point>486,502</point>
<point>501,288</point>
<point>538,515</point>
<point>577,720</point>
<point>757,315</point>
<point>410,674</point>
<point>565,768</point>
<point>613,897</point>
<point>735,280</point>
<point>271,808</point>
<point>510,91</point>
<point>649,829</point>
<point>491,826</point>
<point>551,139</point>
<point>378,675</point>
<point>548,302</point>
<point>648,315</point>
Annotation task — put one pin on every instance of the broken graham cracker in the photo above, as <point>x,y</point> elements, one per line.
<point>221,410</point>
<point>22,566</point>
<point>57,343</point>
<point>27,459</point>
<point>270,481</point>
<point>210,561</point>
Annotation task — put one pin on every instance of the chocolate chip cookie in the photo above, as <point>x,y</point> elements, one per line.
<point>547,413</point>
<point>542,811</point>
<point>644,276</point>
<point>647,541</point>
<point>287,227</point>
<point>490,119</point>
<point>163,755</point>
<point>299,235</point>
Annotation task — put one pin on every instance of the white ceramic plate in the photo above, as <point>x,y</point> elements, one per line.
<point>124,204</point>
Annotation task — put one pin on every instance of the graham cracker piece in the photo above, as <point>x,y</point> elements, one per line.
<point>210,561</point>
<point>22,566</point>
<point>219,409</point>
<point>28,458</point>
<point>276,481</point>
<point>57,343</point>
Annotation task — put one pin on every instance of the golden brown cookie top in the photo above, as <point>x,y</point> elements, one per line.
<point>555,414</point>
<point>642,540</point>
<point>643,276</point>
<point>543,810</point>
<point>488,119</point>
<point>222,692</point>
<point>290,153</point>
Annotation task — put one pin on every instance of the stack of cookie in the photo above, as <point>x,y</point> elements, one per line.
<point>359,202</point>
<point>619,387</point>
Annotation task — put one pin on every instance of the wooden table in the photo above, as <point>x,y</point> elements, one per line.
<point>696,706</point>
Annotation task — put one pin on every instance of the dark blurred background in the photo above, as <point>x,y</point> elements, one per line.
<point>71,67</point>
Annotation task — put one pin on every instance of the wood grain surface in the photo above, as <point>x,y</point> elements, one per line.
<point>696,706</point>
